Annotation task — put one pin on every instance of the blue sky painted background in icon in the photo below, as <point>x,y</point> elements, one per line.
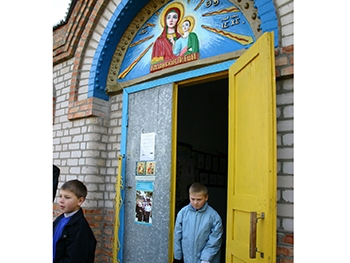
<point>211,44</point>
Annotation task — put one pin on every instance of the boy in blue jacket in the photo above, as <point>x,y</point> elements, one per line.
<point>73,239</point>
<point>198,229</point>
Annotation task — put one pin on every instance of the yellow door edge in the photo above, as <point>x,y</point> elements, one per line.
<point>173,175</point>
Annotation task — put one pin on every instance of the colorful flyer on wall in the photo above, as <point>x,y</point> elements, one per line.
<point>144,202</point>
<point>147,146</point>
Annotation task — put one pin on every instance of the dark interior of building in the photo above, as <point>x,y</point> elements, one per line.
<point>202,143</point>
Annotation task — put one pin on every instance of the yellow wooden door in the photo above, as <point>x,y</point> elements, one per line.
<point>251,190</point>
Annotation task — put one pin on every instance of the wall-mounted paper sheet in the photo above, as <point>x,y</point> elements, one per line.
<point>147,146</point>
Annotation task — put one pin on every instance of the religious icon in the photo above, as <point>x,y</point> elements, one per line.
<point>150,168</point>
<point>140,168</point>
<point>163,46</point>
<point>188,42</point>
<point>185,31</point>
<point>176,40</point>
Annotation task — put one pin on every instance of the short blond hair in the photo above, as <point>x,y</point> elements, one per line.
<point>198,188</point>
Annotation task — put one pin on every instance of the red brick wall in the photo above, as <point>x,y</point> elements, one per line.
<point>284,61</point>
<point>285,249</point>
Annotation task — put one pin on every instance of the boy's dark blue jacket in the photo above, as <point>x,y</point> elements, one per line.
<point>77,243</point>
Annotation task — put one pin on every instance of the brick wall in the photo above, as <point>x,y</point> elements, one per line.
<point>285,131</point>
<point>86,149</point>
<point>285,159</point>
<point>285,12</point>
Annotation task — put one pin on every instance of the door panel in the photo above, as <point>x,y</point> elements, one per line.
<point>148,111</point>
<point>252,154</point>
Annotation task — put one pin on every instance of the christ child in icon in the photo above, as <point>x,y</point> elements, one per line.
<point>188,42</point>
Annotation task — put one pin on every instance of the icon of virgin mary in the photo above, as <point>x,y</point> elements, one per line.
<point>163,46</point>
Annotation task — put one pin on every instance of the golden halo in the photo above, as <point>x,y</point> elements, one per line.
<point>165,10</point>
<point>189,18</point>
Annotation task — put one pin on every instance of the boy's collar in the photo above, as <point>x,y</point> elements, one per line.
<point>200,209</point>
<point>71,213</point>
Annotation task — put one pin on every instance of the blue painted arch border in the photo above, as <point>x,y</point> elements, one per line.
<point>119,22</point>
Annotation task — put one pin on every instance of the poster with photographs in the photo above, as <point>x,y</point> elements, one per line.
<point>144,202</point>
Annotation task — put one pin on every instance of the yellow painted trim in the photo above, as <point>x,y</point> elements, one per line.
<point>203,79</point>
<point>118,204</point>
<point>173,175</point>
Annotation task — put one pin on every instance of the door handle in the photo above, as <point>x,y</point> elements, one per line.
<point>252,242</point>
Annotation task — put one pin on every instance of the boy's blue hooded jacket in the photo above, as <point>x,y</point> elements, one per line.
<point>198,235</point>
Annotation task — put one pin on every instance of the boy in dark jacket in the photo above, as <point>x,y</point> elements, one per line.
<point>73,239</point>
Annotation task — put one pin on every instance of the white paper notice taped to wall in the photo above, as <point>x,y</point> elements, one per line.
<point>147,146</point>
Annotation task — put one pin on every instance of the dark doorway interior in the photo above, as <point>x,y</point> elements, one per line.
<point>202,144</point>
